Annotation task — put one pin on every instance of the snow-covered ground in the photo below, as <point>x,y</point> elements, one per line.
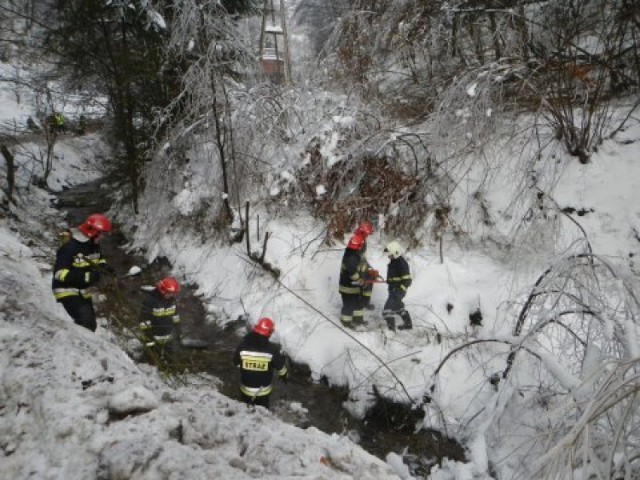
<point>127,423</point>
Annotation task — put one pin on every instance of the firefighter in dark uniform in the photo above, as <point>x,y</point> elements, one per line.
<point>78,266</point>
<point>399,280</point>
<point>257,359</point>
<point>367,272</point>
<point>160,321</point>
<point>351,282</point>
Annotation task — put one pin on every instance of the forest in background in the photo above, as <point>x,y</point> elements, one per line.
<point>425,84</point>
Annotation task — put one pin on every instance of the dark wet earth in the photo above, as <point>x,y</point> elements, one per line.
<point>209,348</point>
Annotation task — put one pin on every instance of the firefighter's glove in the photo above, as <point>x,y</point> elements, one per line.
<point>92,277</point>
<point>285,377</point>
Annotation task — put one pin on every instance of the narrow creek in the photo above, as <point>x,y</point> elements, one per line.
<point>388,427</point>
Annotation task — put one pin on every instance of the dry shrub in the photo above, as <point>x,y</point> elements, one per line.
<point>360,188</point>
<point>354,50</point>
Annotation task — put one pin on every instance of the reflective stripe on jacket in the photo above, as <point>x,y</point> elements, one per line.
<point>256,392</point>
<point>60,293</point>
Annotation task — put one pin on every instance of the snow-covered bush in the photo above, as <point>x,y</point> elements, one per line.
<point>572,359</point>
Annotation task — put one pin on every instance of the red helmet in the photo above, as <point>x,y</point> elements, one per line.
<point>168,286</point>
<point>365,228</point>
<point>356,242</point>
<point>264,327</point>
<point>95,224</point>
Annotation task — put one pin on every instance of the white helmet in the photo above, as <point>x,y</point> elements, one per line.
<point>393,248</point>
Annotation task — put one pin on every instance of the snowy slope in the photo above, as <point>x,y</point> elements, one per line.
<point>75,406</point>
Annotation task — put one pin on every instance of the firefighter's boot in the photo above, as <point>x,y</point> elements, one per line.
<point>407,324</point>
<point>391,322</point>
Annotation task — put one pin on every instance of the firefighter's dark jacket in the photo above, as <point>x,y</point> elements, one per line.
<point>258,358</point>
<point>350,272</point>
<point>159,315</point>
<point>76,269</point>
<point>398,275</point>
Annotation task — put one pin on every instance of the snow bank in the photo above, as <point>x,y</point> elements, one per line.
<point>74,406</point>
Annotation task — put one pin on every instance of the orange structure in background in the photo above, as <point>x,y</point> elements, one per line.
<point>275,62</point>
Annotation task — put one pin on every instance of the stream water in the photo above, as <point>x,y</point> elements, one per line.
<point>388,427</point>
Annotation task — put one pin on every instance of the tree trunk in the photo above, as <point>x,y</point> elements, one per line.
<point>221,144</point>
<point>497,48</point>
<point>11,172</point>
<point>521,25</point>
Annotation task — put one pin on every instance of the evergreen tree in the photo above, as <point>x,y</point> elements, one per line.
<point>115,49</point>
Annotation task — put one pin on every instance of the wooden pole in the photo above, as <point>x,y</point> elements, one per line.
<point>287,56</point>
